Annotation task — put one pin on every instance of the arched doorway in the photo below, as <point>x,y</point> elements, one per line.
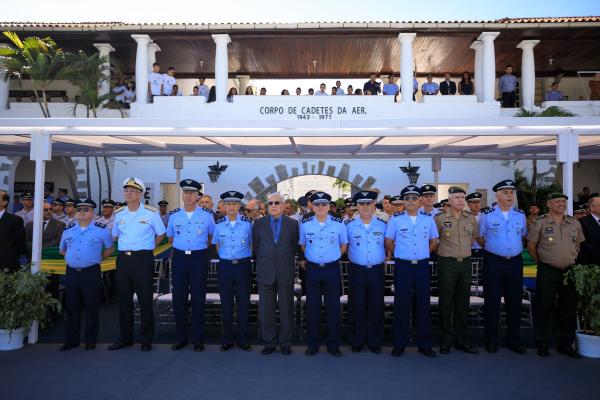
<point>61,172</point>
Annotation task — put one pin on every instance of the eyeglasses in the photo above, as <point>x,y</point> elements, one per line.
<point>321,205</point>
<point>274,203</point>
<point>83,209</point>
<point>411,198</point>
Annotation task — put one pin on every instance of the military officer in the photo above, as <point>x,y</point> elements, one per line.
<point>70,210</point>
<point>502,231</point>
<point>84,244</point>
<point>366,272</point>
<point>323,239</point>
<point>162,209</point>
<point>58,213</point>
<point>411,236</point>
<point>457,229</point>
<point>190,231</point>
<point>553,241</point>
<point>427,199</point>
<point>233,238</point>
<point>474,204</point>
<point>27,212</point>
<point>108,217</point>
<point>397,203</point>
<point>139,230</point>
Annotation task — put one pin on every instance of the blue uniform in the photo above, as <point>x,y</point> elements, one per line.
<point>235,274</point>
<point>507,83</point>
<point>433,212</point>
<point>429,88</point>
<point>412,272</point>
<point>390,89</point>
<point>190,269</point>
<point>137,230</point>
<point>84,248</point>
<point>503,271</point>
<point>553,95</point>
<point>366,280</point>
<point>323,279</point>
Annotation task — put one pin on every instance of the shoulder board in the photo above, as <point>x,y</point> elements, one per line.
<point>570,217</point>
<point>541,216</point>
<point>119,209</point>
<point>521,211</point>
<point>489,211</point>
<point>222,219</point>
<point>397,214</point>
<point>425,213</point>
<point>208,210</point>
<point>337,219</point>
<point>100,224</point>
<point>244,218</point>
<point>174,211</point>
<point>348,221</point>
<point>147,207</point>
<point>307,218</point>
<point>382,220</point>
<point>72,224</point>
<point>468,212</point>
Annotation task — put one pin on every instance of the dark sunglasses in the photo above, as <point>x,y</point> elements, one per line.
<point>274,203</point>
<point>411,198</point>
<point>321,205</point>
<point>83,209</point>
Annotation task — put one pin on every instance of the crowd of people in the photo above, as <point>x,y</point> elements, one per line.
<point>409,229</point>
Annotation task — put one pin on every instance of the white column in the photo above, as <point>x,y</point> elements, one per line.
<point>221,66</point>
<point>567,153</point>
<point>477,45</point>
<point>41,151</point>
<point>141,67</point>
<point>527,73</point>
<point>104,49</point>
<point>152,49</point>
<point>243,83</point>
<point>4,89</point>
<point>406,66</point>
<point>489,65</point>
<point>178,165</point>
<point>436,166</point>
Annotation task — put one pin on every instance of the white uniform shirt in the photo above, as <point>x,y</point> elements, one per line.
<point>137,230</point>
<point>203,90</point>
<point>168,82</point>
<point>156,80</point>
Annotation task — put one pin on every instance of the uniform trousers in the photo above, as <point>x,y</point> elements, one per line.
<point>135,275</point>
<point>82,290</point>
<point>509,99</point>
<point>454,283</point>
<point>323,281</point>
<point>367,285</point>
<point>234,284</point>
<point>189,282</point>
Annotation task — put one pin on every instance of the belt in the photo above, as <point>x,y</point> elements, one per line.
<point>503,257</point>
<point>236,261</point>
<point>323,265</point>
<point>413,262</point>
<point>88,268</point>
<point>369,266</point>
<point>459,259</point>
<point>188,252</point>
<point>133,252</point>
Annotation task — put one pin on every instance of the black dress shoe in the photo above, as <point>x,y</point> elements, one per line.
<point>568,351</point>
<point>335,352</point>
<point>198,347</point>
<point>397,351</point>
<point>375,349</point>
<point>444,349</point>
<point>267,350</point>
<point>90,346</point>
<point>517,349</point>
<point>146,347</point>
<point>118,346</point>
<point>178,346</point>
<point>467,348</point>
<point>226,347</point>
<point>67,347</point>
<point>427,352</point>
<point>245,347</point>
<point>356,349</point>
<point>543,351</point>
<point>311,351</point>
<point>491,348</point>
<point>286,350</point>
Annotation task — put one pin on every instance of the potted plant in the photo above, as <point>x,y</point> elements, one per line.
<point>587,284</point>
<point>23,300</point>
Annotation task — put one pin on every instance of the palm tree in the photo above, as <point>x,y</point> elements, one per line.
<point>35,58</point>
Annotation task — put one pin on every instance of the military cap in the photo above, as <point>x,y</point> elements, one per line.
<point>379,206</point>
<point>506,184</point>
<point>557,195</point>
<point>310,193</point>
<point>484,210</point>
<point>27,196</point>
<point>134,183</point>
<point>581,207</point>
<point>108,203</point>
<point>398,199</point>
<point>163,203</point>
<point>69,201</point>
<point>427,189</point>
<point>302,201</point>
<point>232,196</point>
<point>475,196</point>
<point>456,189</point>
<point>437,205</point>
<point>365,196</point>
<point>320,197</point>
<point>85,202</point>
<point>444,202</point>
<point>190,185</point>
<point>58,201</point>
<point>63,190</point>
<point>411,189</point>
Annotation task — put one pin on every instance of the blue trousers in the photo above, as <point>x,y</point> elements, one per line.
<point>502,277</point>
<point>189,279</point>
<point>234,283</point>
<point>82,290</point>
<point>323,282</point>
<point>412,278</point>
<point>366,295</point>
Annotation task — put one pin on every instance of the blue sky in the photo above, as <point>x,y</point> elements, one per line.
<point>291,11</point>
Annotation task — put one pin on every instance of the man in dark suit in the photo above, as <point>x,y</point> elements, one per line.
<point>12,236</point>
<point>590,249</point>
<point>275,241</point>
<point>52,230</point>
<point>447,87</point>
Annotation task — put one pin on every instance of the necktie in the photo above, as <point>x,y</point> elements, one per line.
<point>275,233</point>
<point>45,224</point>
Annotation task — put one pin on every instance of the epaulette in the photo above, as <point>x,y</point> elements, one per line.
<point>119,209</point>
<point>306,219</point>
<point>489,211</point>
<point>382,220</point>
<point>208,210</point>
<point>425,213</point>
<point>348,220</point>
<point>174,211</point>
<point>220,220</point>
<point>244,218</point>
<point>570,217</point>
<point>468,212</point>
<point>72,224</point>
<point>337,219</point>
<point>540,217</point>
<point>100,224</point>
<point>397,214</point>
<point>521,211</point>
<point>147,207</point>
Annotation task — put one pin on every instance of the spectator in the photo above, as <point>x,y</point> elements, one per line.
<point>311,91</point>
<point>367,92</point>
<point>430,88</point>
<point>168,82</point>
<point>33,99</point>
<point>232,92</point>
<point>175,91</point>
<point>263,91</point>
<point>507,86</point>
<point>390,88</point>
<point>321,91</point>
<point>338,89</point>
<point>212,95</point>
<point>595,87</point>
<point>447,87</point>
<point>129,94</point>
<point>195,91</point>
<point>298,91</point>
<point>65,99</point>
<point>358,92</point>
<point>119,91</point>
<point>285,92</point>
<point>155,82</point>
<point>372,86</point>
<point>333,90</point>
<point>203,88</point>
<point>553,94</point>
<point>63,194</point>
<point>249,91</point>
<point>465,86</point>
<point>350,90</point>
<point>17,206</point>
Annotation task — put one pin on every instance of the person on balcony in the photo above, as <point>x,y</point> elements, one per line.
<point>321,91</point>
<point>175,91</point>
<point>553,94</point>
<point>595,87</point>
<point>155,82</point>
<point>372,86</point>
<point>203,89</point>
<point>507,86</point>
<point>390,88</point>
<point>466,86</point>
<point>338,89</point>
<point>447,87</point>
<point>168,82</point>
<point>430,88</point>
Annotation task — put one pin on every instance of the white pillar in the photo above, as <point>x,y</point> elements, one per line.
<point>489,65</point>
<point>567,153</point>
<point>4,89</point>
<point>477,45</point>
<point>243,83</point>
<point>406,66</point>
<point>40,152</point>
<point>152,49</point>
<point>141,67</point>
<point>527,73</point>
<point>436,166</point>
<point>221,66</point>
<point>104,49</point>
<point>178,165</point>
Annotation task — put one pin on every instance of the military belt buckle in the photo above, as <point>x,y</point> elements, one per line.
<point>322,265</point>
<point>369,266</point>
<point>414,262</point>
<point>234,261</point>
<point>508,258</point>
<point>460,259</point>
<point>188,252</point>
<point>127,253</point>
<point>78,269</point>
